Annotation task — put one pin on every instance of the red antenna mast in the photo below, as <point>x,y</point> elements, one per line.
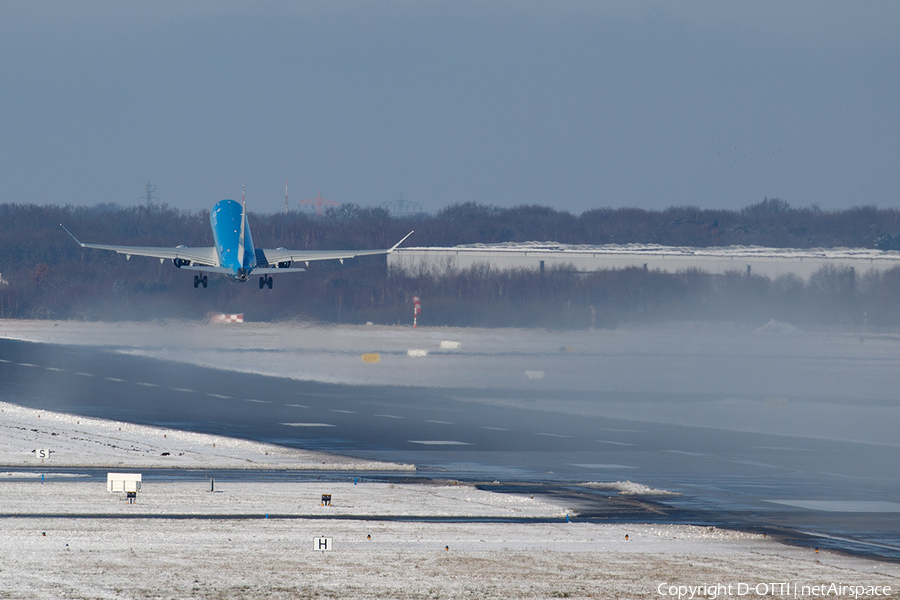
<point>319,202</point>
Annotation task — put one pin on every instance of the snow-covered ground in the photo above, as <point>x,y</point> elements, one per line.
<point>187,542</point>
<point>76,441</point>
<point>70,538</point>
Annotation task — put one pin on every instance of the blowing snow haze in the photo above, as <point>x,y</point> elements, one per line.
<point>573,105</point>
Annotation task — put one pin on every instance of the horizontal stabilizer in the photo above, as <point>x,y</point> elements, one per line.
<point>205,269</point>
<point>275,270</point>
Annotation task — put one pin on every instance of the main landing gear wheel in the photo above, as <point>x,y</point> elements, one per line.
<point>198,280</point>
<point>265,280</point>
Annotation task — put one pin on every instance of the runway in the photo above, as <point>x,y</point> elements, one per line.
<point>725,477</point>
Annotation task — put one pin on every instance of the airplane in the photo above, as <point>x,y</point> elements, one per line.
<point>234,254</point>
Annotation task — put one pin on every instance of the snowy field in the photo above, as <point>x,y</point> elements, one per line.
<point>67,537</point>
<point>70,538</point>
<point>276,558</point>
<point>258,540</point>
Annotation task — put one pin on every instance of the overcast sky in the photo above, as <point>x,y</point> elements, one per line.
<point>575,105</point>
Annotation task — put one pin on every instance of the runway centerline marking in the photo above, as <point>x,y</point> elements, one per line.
<point>188,390</point>
<point>623,430</point>
<point>346,412</point>
<point>27,365</point>
<point>85,374</point>
<point>4,360</point>
<point>145,384</point>
<point>54,369</point>
<point>257,401</point>
<point>601,466</point>
<point>439,422</point>
<point>308,424</point>
<point>389,416</point>
<point>116,379</point>
<point>614,443</point>
<point>298,405</point>
<point>439,442</point>
<point>218,396</point>
<point>556,435</point>
<point>493,428</point>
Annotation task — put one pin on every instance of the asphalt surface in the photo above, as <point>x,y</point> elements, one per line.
<point>725,478</point>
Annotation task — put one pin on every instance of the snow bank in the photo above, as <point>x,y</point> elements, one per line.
<point>76,441</point>
<point>628,488</point>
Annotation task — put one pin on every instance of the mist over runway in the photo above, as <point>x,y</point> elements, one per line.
<point>716,416</point>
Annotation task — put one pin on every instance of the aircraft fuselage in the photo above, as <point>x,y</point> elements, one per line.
<point>230,229</point>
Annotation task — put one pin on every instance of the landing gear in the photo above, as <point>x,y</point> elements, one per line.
<point>200,280</point>
<point>265,280</point>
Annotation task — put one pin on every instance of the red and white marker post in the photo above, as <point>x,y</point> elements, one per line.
<point>417,308</point>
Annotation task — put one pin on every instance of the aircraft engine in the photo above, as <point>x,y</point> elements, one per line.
<point>285,264</point>
<point>180,262</point>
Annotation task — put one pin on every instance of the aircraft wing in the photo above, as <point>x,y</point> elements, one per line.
<point>282,255</point>
<point>203,256</point>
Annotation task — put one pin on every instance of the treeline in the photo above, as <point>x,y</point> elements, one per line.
<point>772,223</point>
<point>46,275</point>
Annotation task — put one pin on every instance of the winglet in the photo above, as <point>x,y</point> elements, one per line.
<point>70,233</point>
<point>394,247</point>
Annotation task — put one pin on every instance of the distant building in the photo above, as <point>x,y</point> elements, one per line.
<point>769,262</point>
